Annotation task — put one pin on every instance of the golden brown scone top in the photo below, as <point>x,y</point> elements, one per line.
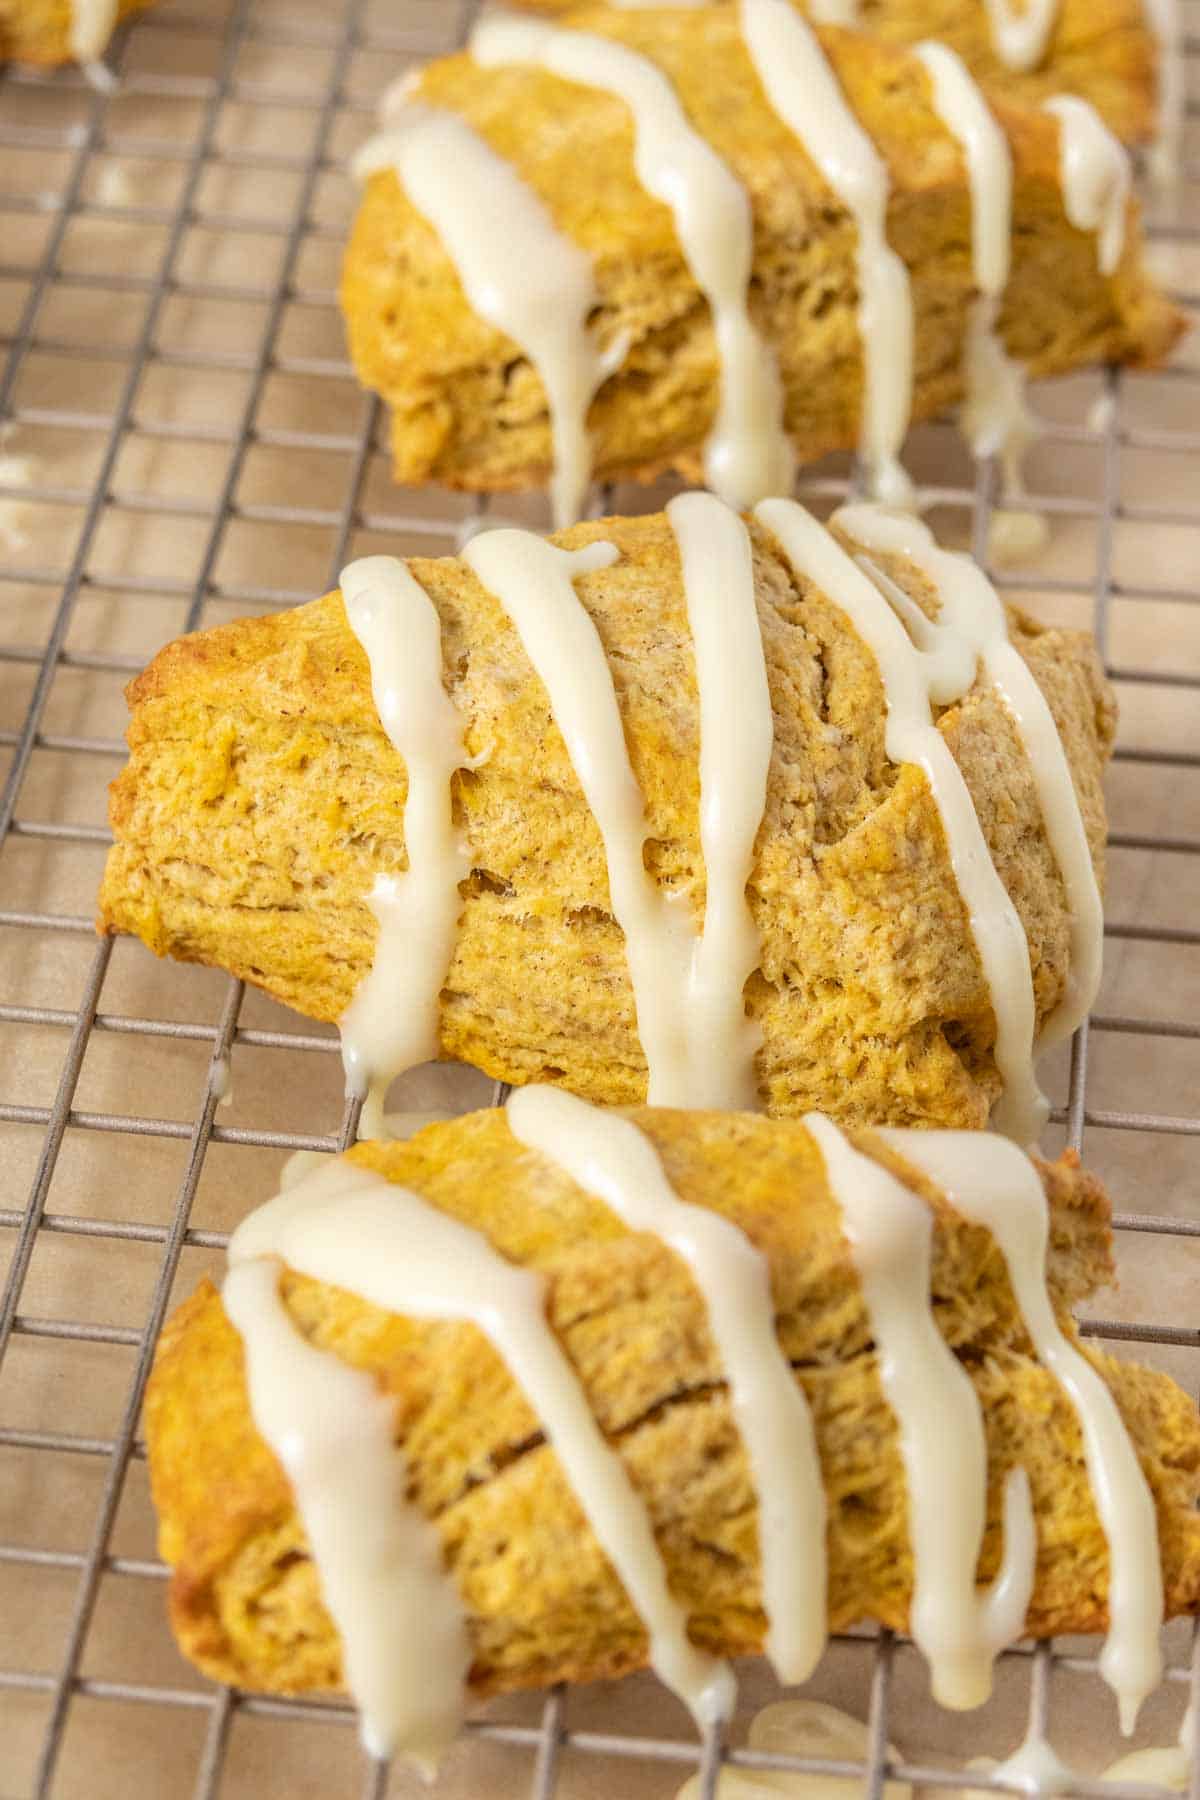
<point>542,1601</point>
<point>1102,50</point>
<point>263,797</point>
<point>39,31</point>
<point>469,410</point>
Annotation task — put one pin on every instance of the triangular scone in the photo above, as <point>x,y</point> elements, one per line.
<point>541,1600</point>
<point>59,31</point>
<point>1103,50</point>
<point>469,407</point>
<point>263,799</point>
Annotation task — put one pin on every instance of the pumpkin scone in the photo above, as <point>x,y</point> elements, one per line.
<point>550,1394</point>
<point>59,31</point>
<point>1106,51</point>
<point>719,242</point>
<point>687,805</point>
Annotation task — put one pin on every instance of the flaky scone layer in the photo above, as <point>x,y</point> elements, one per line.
<point>262,798</point>
<point>542,1601</point>
<point>1102,50</point>
<point>39,31</point>
<point>469,409</point>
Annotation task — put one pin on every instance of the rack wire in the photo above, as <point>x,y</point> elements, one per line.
<point>174,375</point>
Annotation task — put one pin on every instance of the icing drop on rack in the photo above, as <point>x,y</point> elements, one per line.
<point>971,611</point>
<point>942,1441</point>
<point>737,732</point>
<point>92,24</point>
<point>611,1158</point>
<point>748,453</point>
<point>1001,1191</point>
<point>1020,38</point>
<point>913,682</point>
<point>1095,176</point>
<point>995,418</point>
<point>404,1639</point>
<point>518,270</point>
<point>803,90</point>
<point>391,1023</point>
<point>1163,158</point>
<point>384,1243</point>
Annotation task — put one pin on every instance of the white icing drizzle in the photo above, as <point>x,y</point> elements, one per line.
<point>804,92</point>
<point>387,1245</point>
<point>737,731</point>
<point>518,270</point>
<point>995,419</point>
<point>533,581</point>
<point>1037,1767</point>
<point>404,1639</point>
<point>610,1157</point>
<point>392,1022</point>
<point>1019,38</point>
<point>1163,158</point>
<point>92,24</point>
<point>913,681</point>
<point>748,453</point>
<point>833,12</point>
<point>942,1441</point>
<point>971,612</point>
<point>1001,1191</point>
<point>1095,176</point>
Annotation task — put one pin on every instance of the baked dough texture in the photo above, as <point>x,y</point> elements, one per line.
<point>39,31</point>
<point>542,1602</point>
<point>262,798</point>
<point>1103,50</point>
<point>469,409</point>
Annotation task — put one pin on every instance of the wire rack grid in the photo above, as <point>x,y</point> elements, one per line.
<point>173,377</point>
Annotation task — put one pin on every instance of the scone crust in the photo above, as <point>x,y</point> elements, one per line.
<point>1102,50</point>
<point>39,31</point>
<point>543,1603</point>
<point>468,408</point>
<point>262,798</point>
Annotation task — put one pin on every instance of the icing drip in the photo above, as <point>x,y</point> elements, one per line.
<point>1002,1192</point>
<point>388,1246</point>
<point>392,1021</point>
<point>610,1157</point>
<point>1168,133</point>
<point>803,90</point>
<point>532,580</point>
<point>404,1639</point>
<point>942,1441</point>
<point>748,453</point>
<point>1095,176</point>
<point>913,682</point>
<point>737,732</point>
<point>1019,38</point>
<point>971,612</point>
<point>517,269</point>
<point>92,24</point>
<point>995,419</point>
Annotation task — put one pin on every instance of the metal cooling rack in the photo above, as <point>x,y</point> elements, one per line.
<point>168,258</point>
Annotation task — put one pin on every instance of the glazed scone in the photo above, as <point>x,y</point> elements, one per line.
<point>1105,52</point>
<point>263,798</point>
<point>469,407</point>
<point>59,31</point>
<point>541,1600</point>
